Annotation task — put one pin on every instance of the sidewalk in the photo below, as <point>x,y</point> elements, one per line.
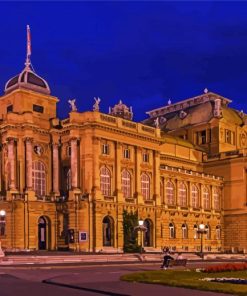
<point>42,258</point>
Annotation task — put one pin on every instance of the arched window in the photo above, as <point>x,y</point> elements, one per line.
<point>162,190</point>
<point>105,181</point>
<point>208,232</point>
<point>148,235</point>
<point>218,232</point>
<point>184,231</point>
<point>68,180</point>
<point>206,198</point>
<point>172,233</point>
<point>170,193</point>
<point>126,183</point>
<point>39,178</point>
<point>2,222</point>
<point>145,186</point>
<point>108,231</point>
<point>182,194</point>
<point>216,198</point>
<point>194,196</point>
<point>195,229</point>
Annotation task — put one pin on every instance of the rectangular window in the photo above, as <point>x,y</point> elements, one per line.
<point>201,137</point>
<point>145,157</point>
<point>229,137</point>
<point>127,153</point>
<point>9,108</point>
<point>105,149</point>
<point>38,108</point>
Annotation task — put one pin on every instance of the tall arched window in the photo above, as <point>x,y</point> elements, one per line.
<point>68,180</point>
<point>208,231</point>
<point>206,198</point>
<point>172,233</point>
<point>145,186</point>
<point>195,229</point>
<point>182,194</point>
<point>105,181</point>
<point>184,231</point>
<point>162,190</point>
<point>39,178</point>
<point>194,196</point>
<point>170,193</point>
<point>218,232</point>
<point>216,198</point>
<point>126,183</point>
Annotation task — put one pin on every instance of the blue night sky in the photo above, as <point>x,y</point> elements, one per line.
<point>141,52</point>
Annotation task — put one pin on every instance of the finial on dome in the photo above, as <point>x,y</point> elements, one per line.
<point>120,102</point>
<point>205,90</point>
<point>169,102</point>
<point>28,61</point>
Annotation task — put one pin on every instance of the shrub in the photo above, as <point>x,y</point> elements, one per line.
<point>225,267</point>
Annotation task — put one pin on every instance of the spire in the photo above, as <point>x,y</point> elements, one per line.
<point>28,61</point>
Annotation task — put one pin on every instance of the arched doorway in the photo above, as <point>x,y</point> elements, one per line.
<point>148,235</point>
<point>108,232</point>
<point>42,233</point>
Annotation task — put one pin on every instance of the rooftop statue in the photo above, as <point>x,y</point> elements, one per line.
<point>96,104</point>
<point>72,105</point>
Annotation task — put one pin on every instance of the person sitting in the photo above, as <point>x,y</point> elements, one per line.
<point>166,259</point>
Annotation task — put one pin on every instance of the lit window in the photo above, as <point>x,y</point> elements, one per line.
<point>2,222</point>
<point>194,196</point>
<point>145,186</point>
<point>105,181</point>
<point>184,231</point>
<point>170,193</point>
<point>218,232</point>
<point>182,195</point>
<point>208,232</point>
<point>172,233</point>
<point>39,178</point>
<point>145,157</point>
<point>206,198</point>
<point>127,153</point>
<point>126,183</point>
<point>216,197</point>
<point>105,149</point>
<point>195,229</point>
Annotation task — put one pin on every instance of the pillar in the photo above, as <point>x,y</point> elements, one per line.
<point>55,169</point>
<point>11,158</point>
<point>74,164</point>
<point>29,161</point>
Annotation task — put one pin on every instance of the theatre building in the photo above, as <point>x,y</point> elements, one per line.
<point>66,183</point>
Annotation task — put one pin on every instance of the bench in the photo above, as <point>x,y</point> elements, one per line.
<point>177,262</point>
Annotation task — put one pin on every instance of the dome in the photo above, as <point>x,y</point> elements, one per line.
<point>121,110</point>
<point>27,79</point>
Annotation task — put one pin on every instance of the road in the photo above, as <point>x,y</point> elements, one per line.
<point>83,280</point>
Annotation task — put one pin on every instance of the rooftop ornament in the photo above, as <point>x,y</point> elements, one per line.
<point>72,105</point>
<point>96,104</point>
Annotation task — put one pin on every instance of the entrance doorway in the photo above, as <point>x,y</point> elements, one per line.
<point>42,233</point>
<point>108,236</point>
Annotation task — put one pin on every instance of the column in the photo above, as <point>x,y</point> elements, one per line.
<point>29,161</point>
<point>138,156</point>
<point>156,181</point>
<point>74,164</point>
<point>55,168</point>
<point>118,154</point>
<point>11,157</point>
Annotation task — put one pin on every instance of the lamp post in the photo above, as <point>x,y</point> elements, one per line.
<point>142,229</point>
<point>201,231</point>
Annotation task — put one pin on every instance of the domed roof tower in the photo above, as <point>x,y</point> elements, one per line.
<point>27,79</point>
<point>121,110</point>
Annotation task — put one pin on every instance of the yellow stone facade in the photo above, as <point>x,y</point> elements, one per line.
<point>63,182</point>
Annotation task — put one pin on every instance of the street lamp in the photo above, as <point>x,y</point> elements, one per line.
<point>142,229</point>
<point>201,231</point>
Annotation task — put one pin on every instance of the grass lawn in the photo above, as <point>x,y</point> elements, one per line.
<point>190,279</point>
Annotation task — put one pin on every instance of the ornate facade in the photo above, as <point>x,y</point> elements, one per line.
<point>65,183</point>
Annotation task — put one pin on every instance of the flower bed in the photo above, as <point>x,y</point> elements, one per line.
<point>225,267</point>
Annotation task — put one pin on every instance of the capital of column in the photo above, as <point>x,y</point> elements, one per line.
<point>27,140</point>
<point>11,140</point>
